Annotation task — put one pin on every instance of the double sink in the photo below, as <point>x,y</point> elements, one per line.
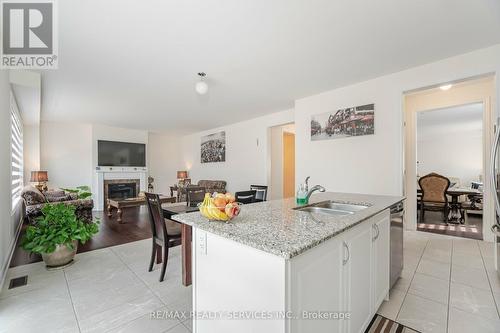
<point>332,208</point>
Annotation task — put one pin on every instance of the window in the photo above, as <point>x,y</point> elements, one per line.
<point>16,147</point>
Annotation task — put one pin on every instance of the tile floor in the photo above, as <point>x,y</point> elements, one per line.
<point>448,285</point>
<point>106,290</point>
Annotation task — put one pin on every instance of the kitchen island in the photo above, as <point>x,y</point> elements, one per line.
<point>278,269</point>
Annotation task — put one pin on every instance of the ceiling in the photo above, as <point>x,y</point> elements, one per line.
<point>457,119</point>
<point>133,63</point>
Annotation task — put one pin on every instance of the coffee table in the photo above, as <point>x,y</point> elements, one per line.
<point>120,204</point>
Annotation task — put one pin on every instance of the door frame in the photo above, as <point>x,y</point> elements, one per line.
<point>410,155</point>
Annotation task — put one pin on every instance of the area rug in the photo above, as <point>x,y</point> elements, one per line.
<point>381,324</point>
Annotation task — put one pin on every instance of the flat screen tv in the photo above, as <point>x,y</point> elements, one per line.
<point>121,154</point>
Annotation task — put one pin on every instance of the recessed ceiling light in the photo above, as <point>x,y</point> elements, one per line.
<point>445,87</point>
<point>201,86</point>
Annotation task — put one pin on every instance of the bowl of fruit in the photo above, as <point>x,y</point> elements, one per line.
<point>219,207</point>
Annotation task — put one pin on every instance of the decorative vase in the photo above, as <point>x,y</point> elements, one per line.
<point>61,257</point>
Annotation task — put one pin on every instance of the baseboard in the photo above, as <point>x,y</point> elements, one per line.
<point>5,266</point>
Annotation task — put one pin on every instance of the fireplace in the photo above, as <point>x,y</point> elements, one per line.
<point>121,189</point>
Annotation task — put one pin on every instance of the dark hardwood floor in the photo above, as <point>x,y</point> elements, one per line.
<point>135,227</point>
<point>434,223</point>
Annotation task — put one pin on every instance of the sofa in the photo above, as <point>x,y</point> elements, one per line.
<point>212,186</point>
<point>34,200</point>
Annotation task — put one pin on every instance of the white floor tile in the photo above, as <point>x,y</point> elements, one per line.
<point>38,311</point>
<point>403,283</point>
<point>147,323</point>
<point>390,308</point>
<point>118,315</point>
<point>37,280</point>
<point>180,329</point>
<point>467,260</point>
<point>473,277</point>
<point>429,287</point>
<point>464,322</point>
<point>476,301</point>
<point>434,268</point>
<point>466,246</point>
<point>494,279</point>
<point>437,254</point>
<point>423,315</point>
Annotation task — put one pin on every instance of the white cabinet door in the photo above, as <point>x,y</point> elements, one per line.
<point>357,276</point>
<point>380,258</point>
<point>316,285</point>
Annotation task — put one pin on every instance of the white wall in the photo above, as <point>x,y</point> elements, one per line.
<point>69,150</point>
<point>374,164</point>
<point>247,152</point>
<point>164,161</point>
<point>458,154</point>
<point>66,154</point>
<point>31,150</point>
<point>450,142</point>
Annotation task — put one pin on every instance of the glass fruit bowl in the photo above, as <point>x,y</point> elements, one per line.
<point>219,207</point>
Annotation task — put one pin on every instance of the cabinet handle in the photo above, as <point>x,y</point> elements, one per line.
<point>375,227</point>
<point>345,260</point>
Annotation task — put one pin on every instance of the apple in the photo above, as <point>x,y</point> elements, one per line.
<point>230,197</point>
<point>220,203</point>
<point>232,209</point>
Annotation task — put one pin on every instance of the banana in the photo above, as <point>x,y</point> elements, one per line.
<point>210,211</point>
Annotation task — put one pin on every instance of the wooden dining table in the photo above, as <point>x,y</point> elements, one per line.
<point>186,238</point>
<point>455,192</point>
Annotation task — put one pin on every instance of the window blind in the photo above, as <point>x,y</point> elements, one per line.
<point>16,147</point>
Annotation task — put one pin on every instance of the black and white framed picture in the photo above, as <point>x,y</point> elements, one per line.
<point>213,148</point>
<point>342,123</point>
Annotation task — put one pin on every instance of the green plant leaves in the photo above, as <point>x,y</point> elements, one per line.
<point>83,192</point>
<point>58,225</point>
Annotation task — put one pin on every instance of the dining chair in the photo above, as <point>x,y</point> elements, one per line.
<point>166,233</point>
<point>261,192</point>
<point>245,197</point>
<point>434,198</point>
<point>195,195</point>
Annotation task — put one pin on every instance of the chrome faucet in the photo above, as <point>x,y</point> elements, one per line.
<point>314,189</point>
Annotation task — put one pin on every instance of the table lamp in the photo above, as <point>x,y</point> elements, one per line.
<point>181,175</point>
<point>40,177</point>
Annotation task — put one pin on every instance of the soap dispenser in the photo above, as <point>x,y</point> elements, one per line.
<point>302,195</point>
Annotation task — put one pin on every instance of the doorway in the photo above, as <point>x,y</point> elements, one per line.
<point>450,143</point>
<point>439,101</point>
<point>282,162</point>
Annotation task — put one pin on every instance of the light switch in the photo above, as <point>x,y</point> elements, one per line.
<point>202,241</point>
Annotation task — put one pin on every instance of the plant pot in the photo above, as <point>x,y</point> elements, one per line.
<point>61,257</point>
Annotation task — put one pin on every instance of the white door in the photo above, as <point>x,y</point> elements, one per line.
<point>357,275</point>
<point>380,259</point>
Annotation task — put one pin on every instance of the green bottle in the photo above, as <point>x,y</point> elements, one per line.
<point>301,195</point>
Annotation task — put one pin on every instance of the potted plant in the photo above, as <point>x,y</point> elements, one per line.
<point>56,234</point>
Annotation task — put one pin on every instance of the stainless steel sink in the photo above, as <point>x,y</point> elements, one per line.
<point>340,206</point>
<point>332,208</point>
<point>329,211</point>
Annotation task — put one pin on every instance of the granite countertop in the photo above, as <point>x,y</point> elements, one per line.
<point>275,227</point>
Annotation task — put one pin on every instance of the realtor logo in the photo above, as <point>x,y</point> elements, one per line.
<point>29,35</point>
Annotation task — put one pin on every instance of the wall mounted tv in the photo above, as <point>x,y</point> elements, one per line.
<point>121,154</point>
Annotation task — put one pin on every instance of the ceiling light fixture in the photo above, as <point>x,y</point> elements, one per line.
<point>445,87</point>
<point>201,86</point>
